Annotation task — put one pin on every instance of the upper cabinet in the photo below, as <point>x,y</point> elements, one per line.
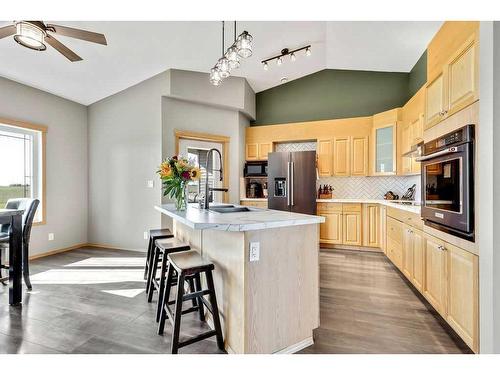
<point>452,71</point>
<point>359,156</point>
<point>324,152</point>
<point>341,156</point>
<point>384,141</point>
<point>258,151</point>
<point>411,132</point>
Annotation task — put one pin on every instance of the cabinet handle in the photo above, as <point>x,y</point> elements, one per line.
<point>442,248</point>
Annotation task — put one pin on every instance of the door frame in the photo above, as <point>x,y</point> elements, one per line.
<point>185,134</point>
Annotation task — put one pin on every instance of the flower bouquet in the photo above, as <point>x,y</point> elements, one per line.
<point>175,173</point>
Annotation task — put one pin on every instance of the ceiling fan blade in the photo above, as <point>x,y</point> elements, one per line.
<point>69,54</point>
<point>89,36</point>
<point>7,31</point>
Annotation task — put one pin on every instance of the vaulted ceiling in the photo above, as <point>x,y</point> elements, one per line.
<point>139,50</point>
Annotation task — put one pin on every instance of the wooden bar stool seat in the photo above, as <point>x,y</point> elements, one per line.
<point>189,264</point>
<point>154,234</point>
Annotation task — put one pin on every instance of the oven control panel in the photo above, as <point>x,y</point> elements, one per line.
<point>462,135</point>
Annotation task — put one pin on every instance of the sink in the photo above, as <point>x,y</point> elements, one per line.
<point>228,209</point>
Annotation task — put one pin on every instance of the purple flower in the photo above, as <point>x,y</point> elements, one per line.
<point>186,175</point>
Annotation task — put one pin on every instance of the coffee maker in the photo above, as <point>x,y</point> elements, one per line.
<point>254,189</point>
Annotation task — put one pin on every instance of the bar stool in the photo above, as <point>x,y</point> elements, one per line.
<point>161,249</point>
<point>189,264</point>
<point>154,234</point>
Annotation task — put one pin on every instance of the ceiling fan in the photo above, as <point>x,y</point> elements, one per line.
<point>33,34</point>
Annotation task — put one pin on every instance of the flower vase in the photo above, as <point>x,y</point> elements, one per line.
<point>181,199</point>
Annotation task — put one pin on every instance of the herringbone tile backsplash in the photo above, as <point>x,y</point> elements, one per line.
<point>358,187</point>
<point>370,187</point>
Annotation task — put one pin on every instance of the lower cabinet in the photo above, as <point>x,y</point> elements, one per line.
<point>463,299</point>
<point>418,259</point>
<point>331,230</point>
<point>407,252</point>
<point>352,228</point>
<point>435,273</point>
<point>395,242</point>
<point>371,225</point>
<point>260,204</point>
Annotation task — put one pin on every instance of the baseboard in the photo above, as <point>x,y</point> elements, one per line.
<point>296,347</point>
<point>57,251</point>
<point>349,247</point>
<point>105,246</point>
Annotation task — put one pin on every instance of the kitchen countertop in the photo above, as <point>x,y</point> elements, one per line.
<point>255,219</point>
<point>254,199</point>
<point>404,207</point>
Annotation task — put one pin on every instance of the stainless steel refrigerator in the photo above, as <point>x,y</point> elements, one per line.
<point>292,181</point>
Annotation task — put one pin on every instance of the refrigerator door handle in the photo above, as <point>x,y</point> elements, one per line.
<point>292,192</point>
<point>288,184</point>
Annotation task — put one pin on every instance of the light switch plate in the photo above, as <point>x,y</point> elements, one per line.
<point>51,236</point>
<point>146,236</point>
<point>254,251</point>
<point>150,183</point>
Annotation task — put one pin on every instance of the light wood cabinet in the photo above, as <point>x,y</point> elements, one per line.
<point>331,230</point>
<point>252,151</point>
<point>383,143</point>
<point>434,101</point>
<point>359,156</point>
<point>352,228</point>
<point>324,152</point>
<point>454,84</point>
<point>341,156</point>
<point>395,242</point>
<point>371,225</point>
<point>258,151</point>
<point>418,259</point>
<point>435,273</point>
<point>407,252</point>
<point>383,229</point>
<point>462,307</point>
<point>260,204</point>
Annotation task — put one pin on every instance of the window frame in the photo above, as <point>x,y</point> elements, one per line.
<point>42,161</point>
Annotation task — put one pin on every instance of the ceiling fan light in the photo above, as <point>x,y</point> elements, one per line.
<point>30,36</point>
<point>308,51</point>
<point>223,66</point>
<point>244,44</point>
<point>232,57</point>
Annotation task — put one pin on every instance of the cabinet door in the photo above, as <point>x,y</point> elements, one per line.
<point>325,156</point>
<point>463,299</point>
<point>341,156</point>
<point>359,156</point>
<point>252,151</point>
<point>408,252</point>
<point>435,273</point>
<point>331,230</point>
<point>418,259</point>
<point>371,224</point>
<point>434,101</point>
<point>406,137</point>
<point>264,149</point>
<point>383,229</point>
<point>385,149</point>
<point>463,77</point>
<point>352,228</point>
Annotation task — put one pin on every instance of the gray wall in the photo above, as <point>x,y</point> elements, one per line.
<point>418,75</point>
<point>67,173</point>
<point>124,153</point>
<point>129,134</point>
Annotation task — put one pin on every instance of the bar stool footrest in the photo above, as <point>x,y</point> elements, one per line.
<point>202,336</point>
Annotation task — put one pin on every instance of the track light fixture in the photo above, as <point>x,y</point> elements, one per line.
<point>286,52</point>
<point>241,48</point>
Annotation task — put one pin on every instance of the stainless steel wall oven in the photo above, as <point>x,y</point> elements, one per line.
<point>448,183</point>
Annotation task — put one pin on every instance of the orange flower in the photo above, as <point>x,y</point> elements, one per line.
<point>165,170</point>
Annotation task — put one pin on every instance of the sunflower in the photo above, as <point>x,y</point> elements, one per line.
<point>195,173</point>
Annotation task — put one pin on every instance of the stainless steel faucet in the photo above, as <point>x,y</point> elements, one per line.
<point>206,198</point>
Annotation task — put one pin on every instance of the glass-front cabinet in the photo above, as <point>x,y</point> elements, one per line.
<point>385,149</point>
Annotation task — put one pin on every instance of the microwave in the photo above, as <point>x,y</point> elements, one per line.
<point>255,169</point>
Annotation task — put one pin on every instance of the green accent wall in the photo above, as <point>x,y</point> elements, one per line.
<point>418,75</point>
<point>332,93</point>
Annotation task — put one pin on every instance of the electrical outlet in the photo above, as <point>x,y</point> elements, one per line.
<point>150,183</point>
<point>254,251</point>
<point>146,236</point>
<point>51,236</point>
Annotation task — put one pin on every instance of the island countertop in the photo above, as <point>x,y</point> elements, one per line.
<point>255,219</point>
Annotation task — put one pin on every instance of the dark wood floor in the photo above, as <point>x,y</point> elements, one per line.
<point>92,301</point>
<point>367,307</point>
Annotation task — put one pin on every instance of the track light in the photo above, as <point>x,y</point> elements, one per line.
<point>286,52</point>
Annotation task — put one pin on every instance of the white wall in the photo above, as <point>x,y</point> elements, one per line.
<point>67,172</point>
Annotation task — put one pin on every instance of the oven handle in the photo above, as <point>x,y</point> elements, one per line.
<point>450,150</point>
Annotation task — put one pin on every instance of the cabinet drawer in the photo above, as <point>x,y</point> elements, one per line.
<point>351,207</point>
<point>406,217</point>
<point>395,231</point>
<point>395,252</point>
<point>329,207</point>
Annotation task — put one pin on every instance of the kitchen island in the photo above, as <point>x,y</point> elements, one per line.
<point>268,298</point>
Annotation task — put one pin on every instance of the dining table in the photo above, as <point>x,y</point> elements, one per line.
<point>14,217</point>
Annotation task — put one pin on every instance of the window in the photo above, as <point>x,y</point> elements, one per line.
<point>21,164</point>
